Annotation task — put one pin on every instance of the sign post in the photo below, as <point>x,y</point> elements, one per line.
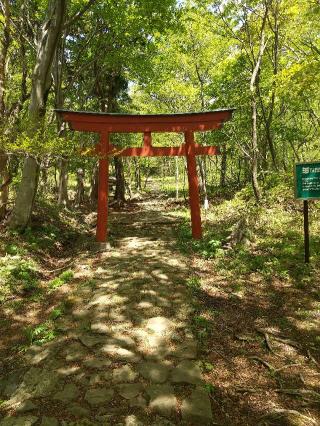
<point>307,187</point>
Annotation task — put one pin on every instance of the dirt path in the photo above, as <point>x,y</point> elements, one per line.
<point>127,354</point>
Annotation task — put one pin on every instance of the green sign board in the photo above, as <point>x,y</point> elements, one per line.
<point>307,181</point>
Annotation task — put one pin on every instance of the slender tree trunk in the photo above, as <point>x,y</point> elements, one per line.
<point>4,184</point>
<point>223,170</point>
<point>4,172</point>
<point>137,174</point>
<point>119,195</point>
<point>79,198</point>
<point>94,185</point>
<point>253,91</point>
<point>177,177</point>
<point>255,151</point>
<point>129,180</point>
<point>41,83</point>
<point>63,198</point>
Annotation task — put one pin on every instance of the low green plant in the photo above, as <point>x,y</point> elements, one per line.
<point>17,275</point>
<point>194,283</point>
<point>210,388</point>
<point>40,334</point>
<point>207,366</point>
<point>63,278</point>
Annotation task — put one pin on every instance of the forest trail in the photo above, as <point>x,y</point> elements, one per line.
<point>126,354</point>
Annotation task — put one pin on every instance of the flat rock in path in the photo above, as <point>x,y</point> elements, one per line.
<point>19,421</point>
<point>78,411</point>
<point>130,390</point>
<point>90,341</point>
<point>40,382</point>
<point>120,354</point>
<point>197,408</point>
<point>69,393</point>
<point>187,350</point>
<point>100,328</point>
<point>26,406</point>
<point>75,352</point>
<point>97,363</point>
<point>159,325</point>
<point>155,372</point>
<point>49,421</point>
<point>162,400</point>
<point>99,378</point>
<point>139,401</point>
<point>187,372</point>
<point>68,370</point>
<point>98,396</point>
<point>124,374</point>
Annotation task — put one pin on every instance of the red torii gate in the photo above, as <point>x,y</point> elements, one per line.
<point>106,123</point>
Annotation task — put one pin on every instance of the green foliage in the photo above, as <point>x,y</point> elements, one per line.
<point>208,247</point>
<point>63,278</point>
<point>17,275</point>
<point>40,334</point>
<point>207,366</point>
<point>210,388</point>
<point>194,283</point>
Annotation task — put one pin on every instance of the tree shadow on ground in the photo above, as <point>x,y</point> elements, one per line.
<point>129,326</point>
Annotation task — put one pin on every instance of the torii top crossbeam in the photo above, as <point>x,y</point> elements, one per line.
<point>106,123</point>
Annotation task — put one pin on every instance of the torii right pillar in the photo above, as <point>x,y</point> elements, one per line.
<point>194,197</point>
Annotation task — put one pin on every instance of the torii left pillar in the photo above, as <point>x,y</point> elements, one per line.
<point>103,188</point>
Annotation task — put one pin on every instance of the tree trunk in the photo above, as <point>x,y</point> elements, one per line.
<point>255,152</point>
<point>5,43</point>
<point>79,198</point>
<point>137,174</point>
<point>177,177</point>
<point>119,195</point>
<point>223,170</point>
<point>4,184</point>
<point>63,183</point>
<point>253,91</point>
<point>94,185</point>
<point>41,83</point>
<point>26,193</point>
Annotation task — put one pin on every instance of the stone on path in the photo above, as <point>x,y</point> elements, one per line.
<point>49,421</point>
<point>19,421</point>
<point>139,401</point>
<point>124,374</point>
<point>90,341</point>
<point>159,325</point>
<point>187,350</point>
<point>40,382</point>
<point>97,363</point>
<point>197,408</point>
<point>98,396</point>
<point>69,393</point>
<point>119,353</point>
<point>26,406</point>
<point>78,411</point>
<point>155,372</point>
<point>75,352</point>
<point>129,391</point>
<point>98,378</point>
<point>67,371</point>
<point>162,399</point>
<point>187,372</point>
<point>100,328</point>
